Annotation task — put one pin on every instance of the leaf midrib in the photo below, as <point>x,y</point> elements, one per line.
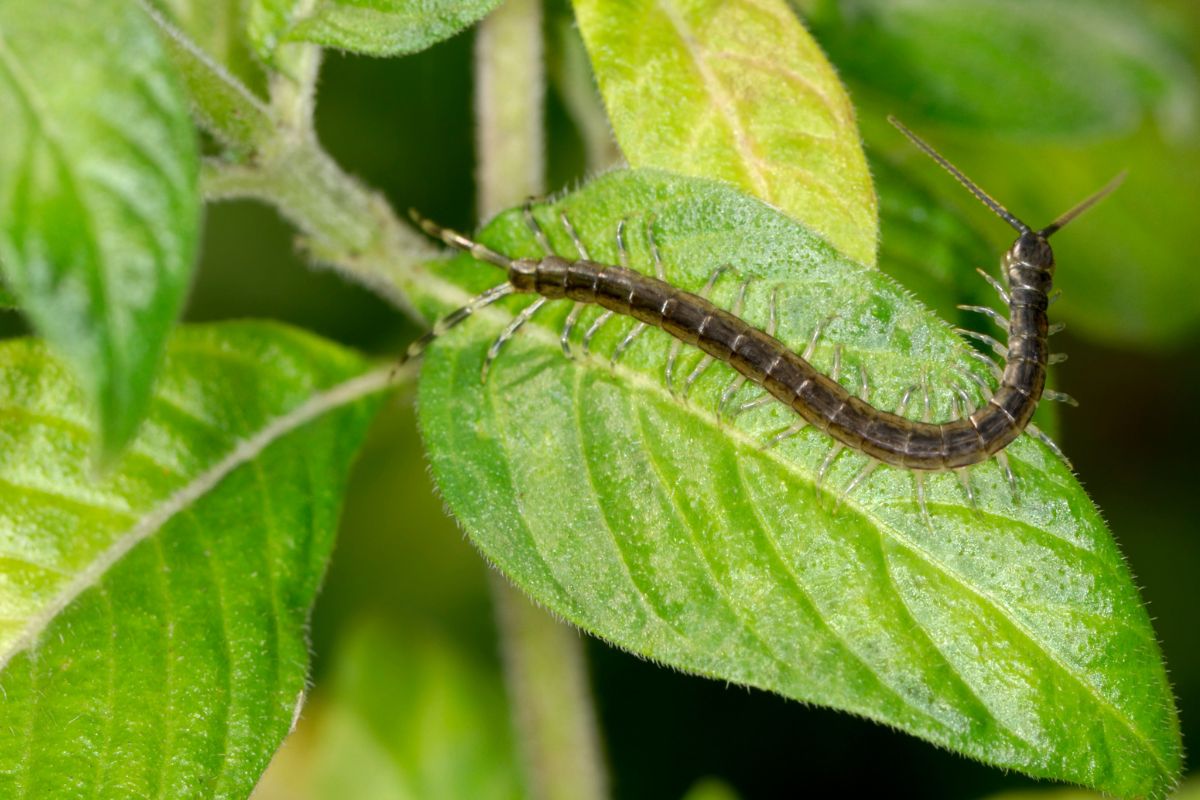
<point>240,453</point>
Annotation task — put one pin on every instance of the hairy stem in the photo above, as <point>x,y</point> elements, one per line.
<point>544,662</point>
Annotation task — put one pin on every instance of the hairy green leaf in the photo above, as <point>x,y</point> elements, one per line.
<point>99,204</point>
<point>1013,634</point>
<point>153,633</point>
<point>387,27</point>
<point>373,27</point>
<point>736,91</point>
<point>404,715</point>
<point>1013,66</point>
<point>216,29</point>
<point>222,103</point>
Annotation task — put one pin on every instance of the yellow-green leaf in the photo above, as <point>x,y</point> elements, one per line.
<point>738,91</point>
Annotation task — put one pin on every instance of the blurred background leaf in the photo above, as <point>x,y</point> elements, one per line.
<point>736,91</point>
<point>1041,103</point>
<point>405,715</point>
<point>99,196</point>
<point>386,27</point>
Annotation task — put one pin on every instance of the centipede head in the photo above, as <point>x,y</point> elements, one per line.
<point>1031,246</point>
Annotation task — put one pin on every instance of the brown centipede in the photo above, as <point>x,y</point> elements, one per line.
<point>757,356</point>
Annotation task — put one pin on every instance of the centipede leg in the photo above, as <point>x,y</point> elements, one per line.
<point>862,475</point>
<point>919,487</point>
<point>740,379</point>
<point>987,361</point>
<point>995,284</point>
<point>564,338</point>
<point>586,344</point>
<point>990,341</point>
<point>1039,434</point>
<point>509,331</point>
<point>964,480</point>
<point>1010,478</point>
<point>707,360</point>
<point>454,318</point>
<point>623,257</point>
<point>677,345</point>
<point>786,433</point>
<point>834,452</point>
<point>535,228</point>
<point>1060,397</point>
<point>991,313</point>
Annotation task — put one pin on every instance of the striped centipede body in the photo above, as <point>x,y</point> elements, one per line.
<point>818,400</point>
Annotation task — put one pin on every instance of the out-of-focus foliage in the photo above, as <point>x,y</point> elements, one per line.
<point>99,199</point>
<point>736,91</point>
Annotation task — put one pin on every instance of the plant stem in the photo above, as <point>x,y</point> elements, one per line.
<point>544,662</point>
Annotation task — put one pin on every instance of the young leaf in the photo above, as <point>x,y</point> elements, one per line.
<point>387,27</point>
<point>99,205</point>
<point>222,103</point>
<point>215,28</point>
<point>153,641</point>
<point>1013,634</point>
<point>405,714</point>
<point>1050,67</point>
<point>749,94</point>
<point>373,27</point>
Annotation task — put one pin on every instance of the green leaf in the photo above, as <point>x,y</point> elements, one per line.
<point>223,104</point>
<point>99,203</point>
<point>740,92</point>
<point>153,640</point>
<point>387,27</point>
<point>216,29</point>
<point>1047,67</point>
<point>1013,634</point>
<point>406,715</point>
<point>373,27</point>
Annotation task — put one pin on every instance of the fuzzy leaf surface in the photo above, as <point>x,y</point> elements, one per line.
<point>371,27</point>
<point>1014,635</point>
<point>740,92</point>
<point>153,634</point>
<point>387,27</point>
<point>99,198</point>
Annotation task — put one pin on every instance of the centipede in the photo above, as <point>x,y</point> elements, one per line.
<point>818,400</point>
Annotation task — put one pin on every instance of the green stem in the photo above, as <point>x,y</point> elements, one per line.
<point>343,223</point>
<point>544,661</point>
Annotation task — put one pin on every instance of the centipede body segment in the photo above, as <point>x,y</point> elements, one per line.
<point>758,357</point>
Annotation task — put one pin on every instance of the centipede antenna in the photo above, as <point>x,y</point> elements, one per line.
<point>1062,221</point>
<point>459,242</point>
<point>983,196</point>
